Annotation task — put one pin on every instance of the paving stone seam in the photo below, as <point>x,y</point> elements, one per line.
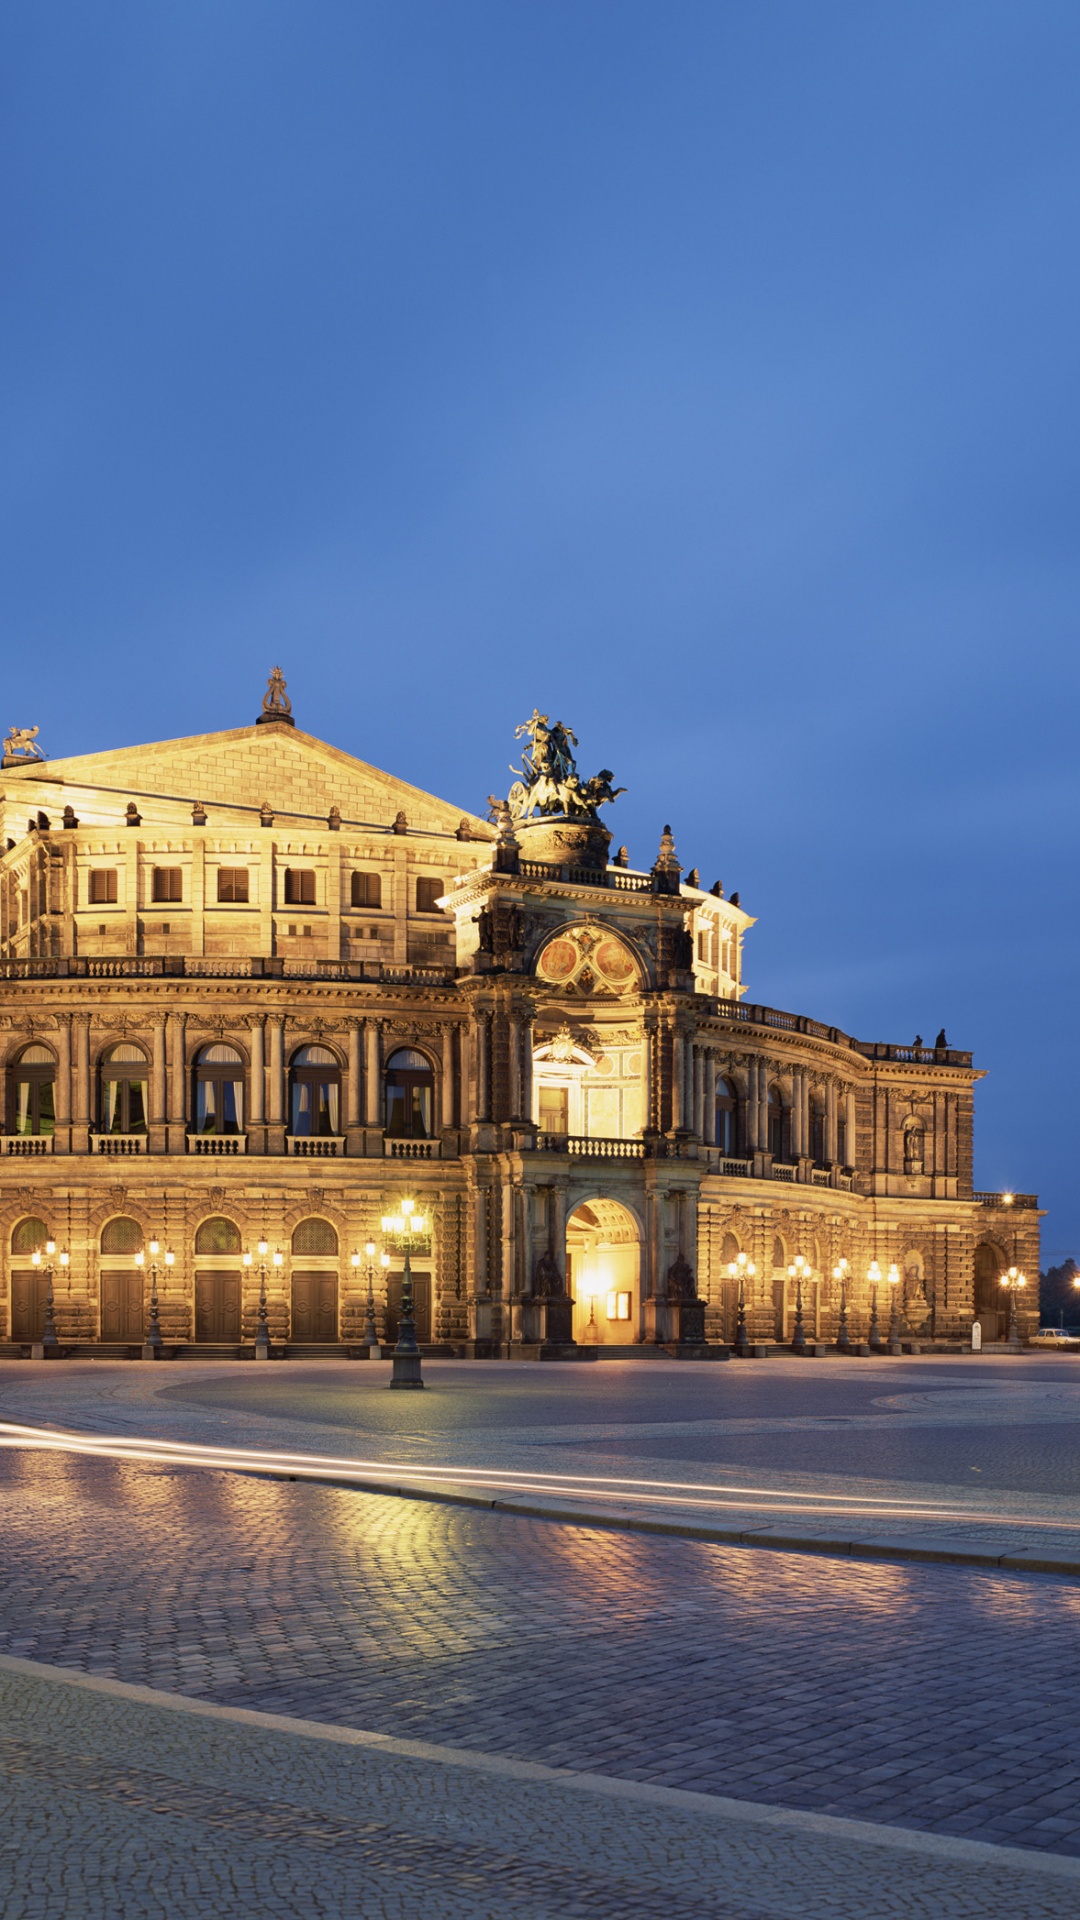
<point>945,1848</point>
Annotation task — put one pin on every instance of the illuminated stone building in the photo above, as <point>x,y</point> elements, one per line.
<point>254,989</point>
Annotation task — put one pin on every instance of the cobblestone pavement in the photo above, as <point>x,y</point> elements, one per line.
<point>114,1804</point>
<point>935,1698</point>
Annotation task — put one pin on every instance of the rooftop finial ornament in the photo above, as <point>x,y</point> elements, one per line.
<point>20,746</point>
<point>276,706</point>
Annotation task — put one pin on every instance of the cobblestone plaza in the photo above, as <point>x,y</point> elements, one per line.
<point>471,1711</point>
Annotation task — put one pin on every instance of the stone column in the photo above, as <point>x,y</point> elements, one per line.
<point>372,1115</point>
<point>276,1104</point>
<point>448,1075</point>
<point>678,1077</point>
<point>514,1076</point>
<point>851,1129</point>
<point>176,1091</point>
<point>830,1121</point>
<point>646,1078</point>
<point>256,1127</point>
<point>353,1092</point>
<point>482,1068</point>
<point>797,1147</point>
<point>527,1066</point>
<point>158,1115</point>
<point>62,1142</point>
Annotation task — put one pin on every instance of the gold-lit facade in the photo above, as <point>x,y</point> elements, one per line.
<point>255,989</point>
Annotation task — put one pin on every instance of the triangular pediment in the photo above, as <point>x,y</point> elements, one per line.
<point>236,773</point>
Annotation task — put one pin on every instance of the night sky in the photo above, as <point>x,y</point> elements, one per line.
<point>704,374</point>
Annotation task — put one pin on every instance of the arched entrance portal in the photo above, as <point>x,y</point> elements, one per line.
<point>989,1267</point>
<point>603,1272</point>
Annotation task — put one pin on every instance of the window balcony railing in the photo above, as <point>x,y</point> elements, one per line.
<point>217,1144</point>
<point>119,1144</point>
<point>583,1146</point>
<point>315,1146</point>
<point>26,1145</point>
<point>412,1149</point>
<point>781,1172</point>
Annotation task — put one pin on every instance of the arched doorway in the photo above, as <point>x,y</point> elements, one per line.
<point>989,1312</point>
<point>217,1281</point>
<point>603,1273</point>
<point>314,1315</point>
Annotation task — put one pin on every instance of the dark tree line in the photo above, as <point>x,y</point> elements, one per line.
<point>1059,1299</point>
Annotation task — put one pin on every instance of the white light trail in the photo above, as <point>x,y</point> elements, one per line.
<point>388,1475</point>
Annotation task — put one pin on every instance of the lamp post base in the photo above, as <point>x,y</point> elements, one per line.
<point>406,1370</point>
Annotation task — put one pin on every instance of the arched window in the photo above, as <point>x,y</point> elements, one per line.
<point>817,1129</point>
<point>31,1092</point>
<point>219,1091</point>
<point>314,1237</point>
<point>410,1096</point>
<point>779,1134</point>
<point>123,1103</point>
<point>727,1115</point>
<point>841,1135</point>
<point>121,1236</point>
<point>218,1235</point>
<point>314,1092</point>
<point>28,1236</point>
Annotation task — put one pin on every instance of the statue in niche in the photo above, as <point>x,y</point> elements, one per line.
<point>682,954</point>
<point>913,1149</point>
<point>680,1281</point>
<point>548,1283</point>
<point>485,922</point>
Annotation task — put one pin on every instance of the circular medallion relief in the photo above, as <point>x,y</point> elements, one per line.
<point>613,961</point>
<point>557,962</point>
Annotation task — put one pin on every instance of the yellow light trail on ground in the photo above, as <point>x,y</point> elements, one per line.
<point>391,1474</point>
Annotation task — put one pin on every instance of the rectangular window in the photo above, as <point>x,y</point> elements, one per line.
<point>103,887</point>
<point>299,887</point>
<point>168,883</point>
<point>618,1306</point>
<point>428,894</point>
<point>367,890</point>
<point>554,1110</point>
<point>232,884</point>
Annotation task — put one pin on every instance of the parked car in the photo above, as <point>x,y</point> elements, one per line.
<point>1057,1339</point>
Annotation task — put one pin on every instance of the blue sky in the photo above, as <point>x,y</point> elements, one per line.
<point>705,374</point>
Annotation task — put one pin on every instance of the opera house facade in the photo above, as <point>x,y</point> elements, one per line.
<point>254,994</point>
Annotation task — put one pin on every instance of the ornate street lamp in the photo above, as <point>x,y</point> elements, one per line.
<point>48,1347</point>
<point>843,1343</point>
<point>741,1269</point>
<point>406,1355</point>
<point>797,1271</point>
<point>1013,1281</point>
<point>262,1330</point>
<point>152,1344</point>
<point>873,1274</point>
<point>894,1318</point>
<point>370,1337</point>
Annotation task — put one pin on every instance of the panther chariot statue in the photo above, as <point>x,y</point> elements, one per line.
<point>549,790</point>
<point>20,745</point>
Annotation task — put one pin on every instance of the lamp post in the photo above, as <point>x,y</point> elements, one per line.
<point>1012,1282</point>
<point>894,1318</point>
<point>796,1271</point>
<point>370,1337</point>
<point>152,1344</point>
<point>843,1342</point>
<point>48,1347</point>
<point>741,1269</point>
<point>406,1355</point>
<point>262,1330</point>
<point>873,1274</point>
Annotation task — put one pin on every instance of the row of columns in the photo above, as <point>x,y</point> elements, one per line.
<point>695,1073</point>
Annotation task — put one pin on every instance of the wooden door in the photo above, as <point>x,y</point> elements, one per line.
<point>217,1308</point>
<point>29,1289</point>
<point>314,1306</point>
<point>421,1283</point>
<point>122,1314</point>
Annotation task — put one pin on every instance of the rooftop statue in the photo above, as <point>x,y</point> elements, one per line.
<point>548,782</point>
<point>20,744</point>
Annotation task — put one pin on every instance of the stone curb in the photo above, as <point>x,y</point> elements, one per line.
<point>948,1849</point>
<point>918,1547</point>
